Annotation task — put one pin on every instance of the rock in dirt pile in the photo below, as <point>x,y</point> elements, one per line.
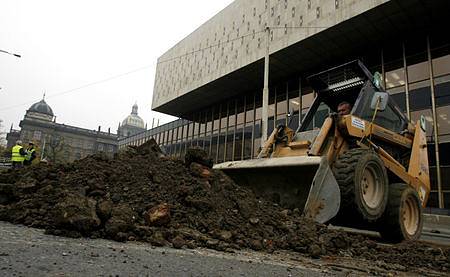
<point>140,194</point>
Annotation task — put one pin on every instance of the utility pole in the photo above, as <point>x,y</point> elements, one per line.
<point>435,127</point>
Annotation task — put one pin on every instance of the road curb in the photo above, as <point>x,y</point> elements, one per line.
<point>439,223</point>
<point>438,219</point>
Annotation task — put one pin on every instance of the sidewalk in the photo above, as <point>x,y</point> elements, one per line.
<point>436,224</point>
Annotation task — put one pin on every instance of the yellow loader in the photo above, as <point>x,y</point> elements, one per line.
<point>366,169</point>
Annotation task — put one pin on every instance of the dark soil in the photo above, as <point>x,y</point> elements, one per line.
<point>142,195</point>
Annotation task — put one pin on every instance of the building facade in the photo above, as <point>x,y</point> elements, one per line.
<point>58,142</point>
<point>213,79</point>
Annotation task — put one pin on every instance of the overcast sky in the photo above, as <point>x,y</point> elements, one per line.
<point>70,44</point>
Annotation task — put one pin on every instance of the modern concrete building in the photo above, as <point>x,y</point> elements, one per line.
<point>59,142</point>
<point>213,79</point>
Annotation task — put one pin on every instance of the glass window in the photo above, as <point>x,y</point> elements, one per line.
<point>271,110</point>
<point>281,108</point>
<point>191,128</point>
<point>307,100</point>
<point>213,147</point>
<point>89,145</point>
<point>258,113</point>
<point>420,96</point>
<point>238,143</point>
<point>221,151</point>
<point>442,90</point>
<point>294,104</point>
<point>231,119</point>
<point>216,124</point>
<point>248,142</point>
<point>240,118</point>
<point>249,115</point>
<point>257,147</point>
<point>179,133</point>
<point>202,128</point>
<point>185,129</point>
<point>395,78</point>
<point>223,127</point>
<point>169,138</point>
<point>443,119</point>
<point>398,94</point>
<point>223,120</point>
<point>441,65</point>
<point>37,135</point>
<point>400,100</point>
<point>444,149</point>
<point>229,148</point>
<point>196,128</point>
<point>390,118</point>
<point>418,72</point>
<point>321,115</point>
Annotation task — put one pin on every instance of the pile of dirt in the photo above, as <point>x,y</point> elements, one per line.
<point>140,194</point>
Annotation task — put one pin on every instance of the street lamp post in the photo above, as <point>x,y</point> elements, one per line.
<point>13,54</point>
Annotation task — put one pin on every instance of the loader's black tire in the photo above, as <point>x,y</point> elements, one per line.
<point>403,218</point>
<point>363,182</point>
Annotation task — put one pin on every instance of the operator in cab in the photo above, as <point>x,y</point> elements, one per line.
<point>344,108</point>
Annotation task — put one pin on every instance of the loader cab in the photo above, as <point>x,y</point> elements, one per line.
<point>352,83</point>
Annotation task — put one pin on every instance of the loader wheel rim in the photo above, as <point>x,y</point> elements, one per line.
<point>411,216</point>
<point>372,188</point>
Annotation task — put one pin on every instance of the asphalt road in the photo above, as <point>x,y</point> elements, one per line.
<point>28,252</point>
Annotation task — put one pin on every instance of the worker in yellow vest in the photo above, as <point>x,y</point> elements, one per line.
<point>30,154</point>
<point>18,155</point>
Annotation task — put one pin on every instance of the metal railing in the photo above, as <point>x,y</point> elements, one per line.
<point>5,162</point>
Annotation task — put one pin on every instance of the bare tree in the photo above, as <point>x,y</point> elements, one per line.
<point>56,149</point>
<point>3,150</point>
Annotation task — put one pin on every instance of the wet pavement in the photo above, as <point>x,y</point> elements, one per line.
<point>28,252</point>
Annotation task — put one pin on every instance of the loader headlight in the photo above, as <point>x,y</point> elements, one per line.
<point>422,123</point>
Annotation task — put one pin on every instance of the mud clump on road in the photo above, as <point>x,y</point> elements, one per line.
<point>142,195</point>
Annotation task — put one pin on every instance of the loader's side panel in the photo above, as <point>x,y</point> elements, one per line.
<point>417,175</point>
<point>337,147</point>
<point>321,138</point>
<point>418,163</point>
<point>288,151</point>
<point>358,127</point>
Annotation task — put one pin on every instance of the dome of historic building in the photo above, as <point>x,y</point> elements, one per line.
<point>134,119</point>
<point>42,108</point>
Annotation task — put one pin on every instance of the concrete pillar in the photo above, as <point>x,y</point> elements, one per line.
<point>435,127</point>
<point>405,70</point>
<point>265,98</point>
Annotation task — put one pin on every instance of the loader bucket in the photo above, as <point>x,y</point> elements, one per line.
<point>302,182</point>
